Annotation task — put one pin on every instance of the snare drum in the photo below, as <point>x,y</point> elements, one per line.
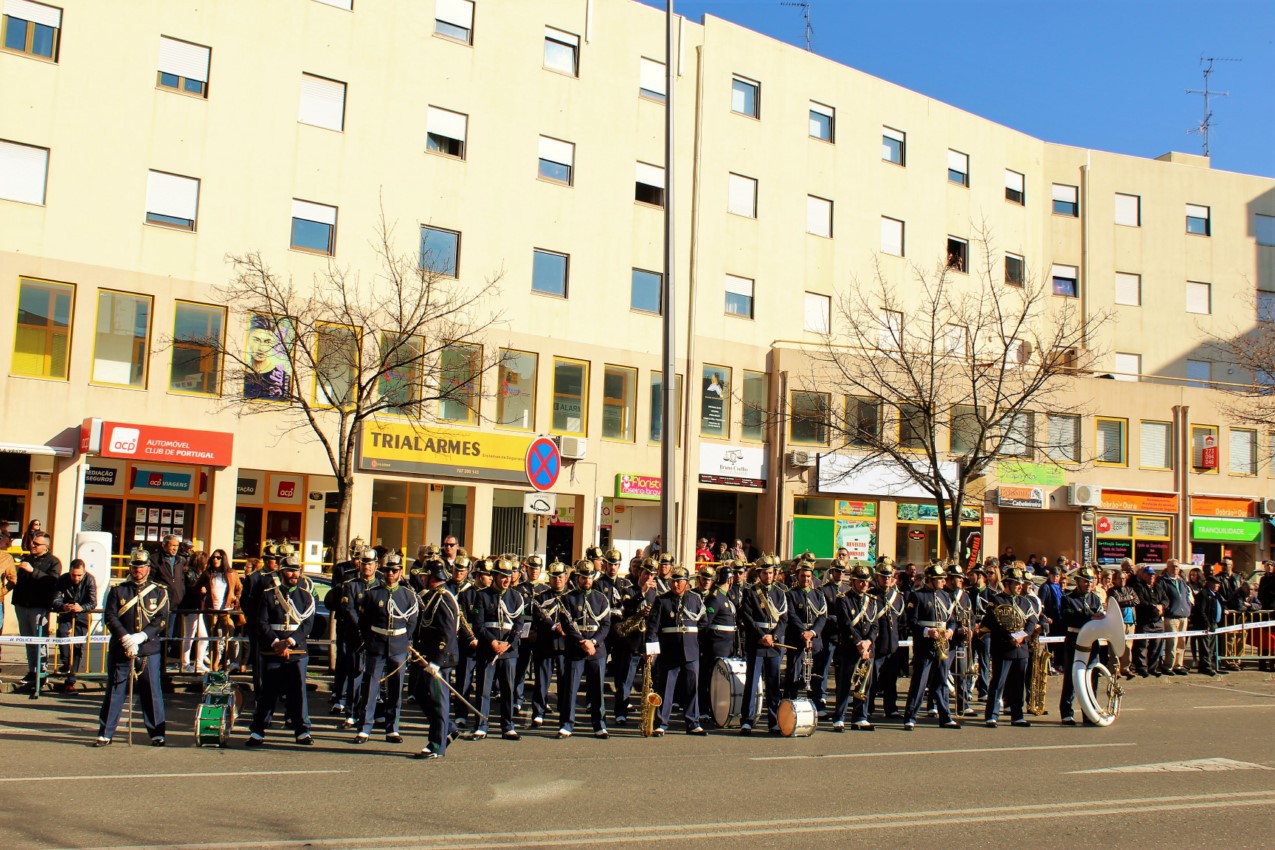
<point>797,718</point>
<point>213,724</point>
<point>726,692</point>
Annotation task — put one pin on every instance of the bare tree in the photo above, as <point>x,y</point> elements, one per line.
<point>929,383</point>
<point>324,357</point>
<point>1250,349</point>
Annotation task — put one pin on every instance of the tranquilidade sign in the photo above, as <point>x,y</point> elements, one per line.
<point>454,453</point>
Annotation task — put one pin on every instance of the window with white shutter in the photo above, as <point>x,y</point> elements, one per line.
<point>1128,210</point>
<point>958,168</point>
<point>454,19</point>
<point>1110,441</point>
<point>1063,434</point>
<point>322,102</point>
<point>1243,451</point>
<point>1128,289</point>
<point>891,236</point>
<point>557,160</point>
<point>890,331</point>
<point>562,51</point>
<point>818,313</point>
<point>1066,199</point>
<point>742,199</point>
<point>894,146</point>
<point>445,132</point>
<point>648,187</point>
<point>1197,220</point>
<point>739,296</point>
<point>652,79</point>
<point>24,171</point>
<point>1128,366</point>
<point>172,200</point>
<point>1199,297</point>
<point>822,122</point>
<point>1015,191</point>
<point>819,216</point>
<point>1066,280</point>
<point>348,5</point>
<point>183,66</point>
<point>1199,373</point>
<point>32,28</point>
<point>313,227</point>
<point>1155,445</point>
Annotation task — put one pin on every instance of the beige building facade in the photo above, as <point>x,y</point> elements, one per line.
<point>522,142</point>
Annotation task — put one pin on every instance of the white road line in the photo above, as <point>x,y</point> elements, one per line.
<point>1229,690</point>
<point>164,775</point>
<point>943,752</point>
<point>1240,705</point>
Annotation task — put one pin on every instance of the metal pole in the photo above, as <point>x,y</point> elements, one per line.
<point>668,419</point>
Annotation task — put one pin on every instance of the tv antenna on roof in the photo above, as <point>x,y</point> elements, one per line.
<point>1207,123</point>
<point>804,6</point>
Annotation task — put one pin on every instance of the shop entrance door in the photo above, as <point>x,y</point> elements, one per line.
<point>560,542</point>
<point>715,518</point>
<point>284,527</point>
<point>247,532</point>
<point>388,531</point>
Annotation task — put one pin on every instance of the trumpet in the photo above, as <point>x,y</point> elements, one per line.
<point>859,678</point>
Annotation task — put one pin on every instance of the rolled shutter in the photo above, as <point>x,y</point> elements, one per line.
<point>23,172</point>
<point>183,59</point>
<point>320,213</point>
<point>172,195</point>
<point>36,13</point>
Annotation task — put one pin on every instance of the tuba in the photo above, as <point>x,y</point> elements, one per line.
<point>1087,670</point>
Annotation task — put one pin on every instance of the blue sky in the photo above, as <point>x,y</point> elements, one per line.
<point>1108,75</point>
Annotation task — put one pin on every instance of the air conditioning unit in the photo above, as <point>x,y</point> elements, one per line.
<point>802,458</point>
<point>1084,495</point>
<point>1266,506</point>
<point>572,448</point>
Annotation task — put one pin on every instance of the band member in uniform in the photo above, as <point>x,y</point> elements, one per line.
<point>674,620</point>
<point>545,646</point>
<point>718,634</point>
<point>665,570</point>
<point>499,612</point>
<point>1079,606</point>
<point>283,621</point>
<point>831,588</point>
<point>639,596</point>
<point>440,630</point>
<point>349,646</point>
<point>464,587</point>
<point>136,614</point>
<point>387,619</point>
<point>858,616</point>
<point>807,619</point>
<point>962,650</point>
<point>931,622</point>
<point>254,585</point>
<point>1009,651</point>
<point>585,616</point>
<point>887,656</point>
<point>764,615</point>
<point>980,594</point>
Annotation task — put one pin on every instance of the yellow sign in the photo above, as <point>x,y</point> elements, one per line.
<point>452,452</point>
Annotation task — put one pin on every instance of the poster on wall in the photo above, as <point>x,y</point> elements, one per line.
<point>269,372</point>
<point>179,517</point>
<point>139,515</point>
<point>164,531</point>
<point>139,533</point>
<point>152,534</point>
<point>91,518</point>
<point>714,401</point>
<point>153,515</point>
<point>166,515</point>
<point>1114,551</point>
<point>858,537</point>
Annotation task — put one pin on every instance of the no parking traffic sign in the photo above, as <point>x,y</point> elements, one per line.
<point>543,463</point>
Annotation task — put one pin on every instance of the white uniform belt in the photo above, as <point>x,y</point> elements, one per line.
<point>504,627</point>
<point>615,612</point>
<point>931,624</point>
<point>765,625</point>
<point>723,628</point>
<point>588,630</point>
<point>679,630</point>
<point>389,632</point>
<point>283,627</point>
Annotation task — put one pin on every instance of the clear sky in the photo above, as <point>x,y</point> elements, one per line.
<point>1104,74</point>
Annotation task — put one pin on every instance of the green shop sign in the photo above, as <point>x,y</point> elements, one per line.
<point>1227,530</point>
<point>1040,474</point>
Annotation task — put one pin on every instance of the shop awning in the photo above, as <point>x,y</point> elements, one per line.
<point>33,449</point>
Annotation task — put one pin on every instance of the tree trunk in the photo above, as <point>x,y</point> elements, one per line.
<point>344,508</point>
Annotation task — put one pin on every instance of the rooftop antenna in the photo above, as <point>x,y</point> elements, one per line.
<point>1207,123</point>
<point>804,6</point>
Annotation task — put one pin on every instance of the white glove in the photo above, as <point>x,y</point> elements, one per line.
<point>432,669</point>
<point>133,641</point>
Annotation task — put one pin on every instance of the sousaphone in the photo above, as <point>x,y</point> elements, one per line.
<point>1088,672</point>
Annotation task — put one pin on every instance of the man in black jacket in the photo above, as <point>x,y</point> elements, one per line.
<point>1149,616</point>
<point>76,596</point>
<point>33,597</point>
<point>169,569</point>
<point>1206,615</point>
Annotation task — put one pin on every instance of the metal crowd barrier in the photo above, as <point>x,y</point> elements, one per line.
<point>1255,641</point>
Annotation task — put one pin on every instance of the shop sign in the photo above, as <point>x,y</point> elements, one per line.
<point>152,443</point>
<point>1215,506</point>
<point>566,515</point>
<point>846,507</point>
<point>1128,500</point>
<point>854,475</point>
<point>455,453</point>
<point>1040,474</point>
<point>910,512</point>
<point>246,487</point>
<point>1226,530</point>
<point>644,487</point>
<point>737,466</point>
<point>1114,551</point>
<point>1020,497</point>
<point>1115,526</point>
<point>1150,527</point>
<point>1086,543</point>
<point>152,479</point>
<point>100,476</point>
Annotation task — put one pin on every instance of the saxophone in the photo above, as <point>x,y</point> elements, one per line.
<point>651,701</point>
<point>1037,678</point>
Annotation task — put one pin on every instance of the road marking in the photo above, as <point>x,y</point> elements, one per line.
<point>1229,690</point>
<point>165,775</point>
<point>1190,766</point>
<point>743,829</point>
<point>1240,705</point>
<point>942,752</point>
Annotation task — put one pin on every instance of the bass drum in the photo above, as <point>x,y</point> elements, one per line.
<point>726,692</point>
<point>213,724</point>
<point>797,718</point>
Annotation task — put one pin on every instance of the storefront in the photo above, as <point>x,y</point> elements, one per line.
<point>631,520</point>
<point>916,532</point>
<point>1224,527</point>
<point>822,526</point>
<point>269,506</point>
<point>1033,512</point>
<point>731,478</point>
<point>26,474</point>
<point>1135,525</point>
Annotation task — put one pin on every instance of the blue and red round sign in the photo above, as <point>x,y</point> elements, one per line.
<point>543,463</point>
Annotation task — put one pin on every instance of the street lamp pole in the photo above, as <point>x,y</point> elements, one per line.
<point>668,418</point>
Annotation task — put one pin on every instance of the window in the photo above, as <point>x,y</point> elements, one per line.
<point>1066,280</point>
<point>516,404</point>
<point>313,227</point>
<point>445,132</point>
<point>808,425</point>
<point>863,422</point>
<point>756,399</point>
<point>1128,210</point>
<point>1266,306</point>
<point>24,171</point>
<point>1200,434</point>
<point>1014,187</point>
<point>714,412</point>
<point>42,343</point>
<point>958,168</point>
<point>649,185</point>
<point>1019,435</point>
<point>171,200</point>
<point>454,19</point>
<point>322,103</point>
<point>460,369</point>
<point>1128,366</point>
<point>819,216</point>
<point>652,80</point>
<point>121,343</point>
<point>1066,200</point>
<point>561,51</point>
<point>1063,434</point>
<point>822,122</point>
<point>1243,451</point>
<point>913,428</point>
<point>556,160</point>
<point>890,331</point>
<point>1199,373</point>
<point>1155,445</point>
<point>657,406</point>
<point>818,313</point>
<point>891,236</point>
<point>1264,228</point>
<point>894,146</point>
<point>1128,289</point>
<point>32,28</point>
<point>337,358</point>
<point>743,196</point>
<point>1199,297</point>
<point>956,341</point>
<point>739,296</point>
<point>348,5</point>
<point>619,403</point>
<point>647,292</point>
<point>183,66</point>
<point>570,396</point>
<point>1110,445</point>
<point>957,254</point>
<point>549,273</point>
<point>1197,220</point>
<point>440,251</point>
<point>1015,270</point>
<point>744,96</point>
<point>400,372</point>
<point>198,334</point>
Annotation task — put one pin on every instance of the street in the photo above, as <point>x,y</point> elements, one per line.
<point>1188,763</point>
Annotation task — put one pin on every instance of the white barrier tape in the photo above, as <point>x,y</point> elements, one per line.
<point>1237,627</point>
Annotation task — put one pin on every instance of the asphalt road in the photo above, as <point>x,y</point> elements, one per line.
<point>1190,762</point>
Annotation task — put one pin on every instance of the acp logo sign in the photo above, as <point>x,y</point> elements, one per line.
<point>124,440</point>
<point>287,489</point>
